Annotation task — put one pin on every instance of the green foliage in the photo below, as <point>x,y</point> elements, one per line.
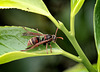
<point>78,68</point>
<point>75,6</point>
<point>12,41</point>
<point>36,6</point>
<point>97,30</point>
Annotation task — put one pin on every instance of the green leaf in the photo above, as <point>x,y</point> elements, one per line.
<point>98,63</point>
<point>36,6</point>
<point>75,6</point>
<point>97,30</point>
<point>12,41</point>
<point>78,68</point>
<point>97,24</point>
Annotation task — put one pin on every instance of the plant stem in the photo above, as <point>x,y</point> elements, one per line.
<point>98,62</point>
<point>72,25</point>
<point>71,37</point>
<point>54,21</point>
<point>59,25</point>
<point>75,44</point>
<point>71,56</point>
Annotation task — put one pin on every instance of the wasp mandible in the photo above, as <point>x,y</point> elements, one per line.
<point>36,41</point>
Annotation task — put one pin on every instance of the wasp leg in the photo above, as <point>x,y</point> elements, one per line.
<point>29,48</point>
<point>50,48</point>
<point>46,47</point>
<point>26,29</point>
<point>37,30</point>
<point>56,31</point>
<point>53,42</point>
<point>25,50</point>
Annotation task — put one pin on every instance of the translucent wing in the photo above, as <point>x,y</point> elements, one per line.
<point>32,34</point>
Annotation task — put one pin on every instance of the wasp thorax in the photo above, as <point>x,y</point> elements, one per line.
<point>54,37</point>
<point>48,36</point>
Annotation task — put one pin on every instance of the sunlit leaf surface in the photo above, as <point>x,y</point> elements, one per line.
<point>36,6</point>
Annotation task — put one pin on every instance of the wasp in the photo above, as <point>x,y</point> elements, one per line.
<point>36,41</point>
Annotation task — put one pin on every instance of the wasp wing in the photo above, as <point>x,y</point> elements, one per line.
<point>32,34</point>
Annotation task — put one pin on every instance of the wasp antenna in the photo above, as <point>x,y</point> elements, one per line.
<point>56,32</point>
<point>60,37</point>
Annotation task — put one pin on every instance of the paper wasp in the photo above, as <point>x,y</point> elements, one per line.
<point>36,41</point>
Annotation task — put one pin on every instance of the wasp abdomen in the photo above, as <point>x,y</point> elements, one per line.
<point>33,41</point>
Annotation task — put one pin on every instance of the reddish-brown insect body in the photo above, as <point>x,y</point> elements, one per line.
<point>36,41</point>
<point>33,41</point>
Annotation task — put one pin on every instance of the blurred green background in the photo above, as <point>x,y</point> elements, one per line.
<point>60,9</point>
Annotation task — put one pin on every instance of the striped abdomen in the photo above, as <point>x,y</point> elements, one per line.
<point>33,41</point>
